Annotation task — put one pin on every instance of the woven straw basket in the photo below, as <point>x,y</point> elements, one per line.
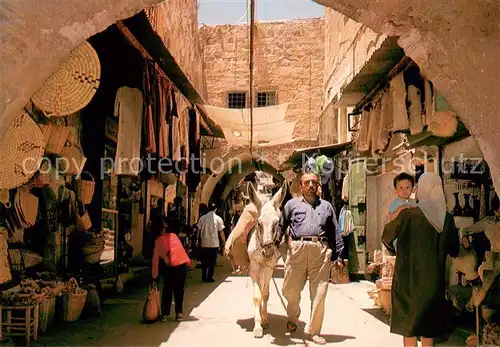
<point>55,137</point>
<point>83,222</point>
<point>84,189</point>
<point>73,304</point>
<point>73,86</point>
<point>22,146</point>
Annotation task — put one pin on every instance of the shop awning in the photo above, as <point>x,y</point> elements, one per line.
<point>270,126</point>
<point>329,150</point>
<point>373,73</point>
<point>142,36</point>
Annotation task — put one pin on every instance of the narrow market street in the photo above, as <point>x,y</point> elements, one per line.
<point>221,314</point>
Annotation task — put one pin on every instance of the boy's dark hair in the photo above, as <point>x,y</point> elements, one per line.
<point>404,176</point>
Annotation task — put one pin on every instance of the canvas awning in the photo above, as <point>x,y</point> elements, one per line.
<point>299,154</point>
<point>270,126</point>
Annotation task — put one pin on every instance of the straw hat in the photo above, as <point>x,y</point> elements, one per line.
<point>73,86</point>
<point>22,147</point>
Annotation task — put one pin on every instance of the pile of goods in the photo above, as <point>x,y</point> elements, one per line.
<point>31,292</point>
<point>94,247</point>
<point>491,334</point>
<point>74,299</point>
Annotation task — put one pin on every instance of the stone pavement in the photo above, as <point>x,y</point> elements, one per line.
<point>220,314</point>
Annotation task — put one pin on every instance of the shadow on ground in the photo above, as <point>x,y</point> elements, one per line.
<point>277,329</point>
<point>121,322</point>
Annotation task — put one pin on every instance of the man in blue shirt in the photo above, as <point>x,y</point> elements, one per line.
<point>315,244</point>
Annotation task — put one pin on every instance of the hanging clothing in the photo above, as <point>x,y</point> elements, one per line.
<point>415,110</point>
<point>128,107</point>
<point>385,125</point>
<point>150,99</point>
<point>398,90</point>
<point>176,141</point>
<point>346,225</point>
<point>345,187</point>
<point>363,142</point>
<point>429,102</point>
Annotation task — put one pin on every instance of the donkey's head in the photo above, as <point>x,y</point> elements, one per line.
<point>267,217</point>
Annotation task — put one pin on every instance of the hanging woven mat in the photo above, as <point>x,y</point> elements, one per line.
<point>22,147</point>
<point>73,86</point>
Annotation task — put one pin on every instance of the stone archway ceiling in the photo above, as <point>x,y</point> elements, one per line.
<point>456,45</point>
<point>37,36</point>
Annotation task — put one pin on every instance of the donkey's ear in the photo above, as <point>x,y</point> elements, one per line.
<point>254,196</point>
<point>280,195</point>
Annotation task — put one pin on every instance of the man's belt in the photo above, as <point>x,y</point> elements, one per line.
<point>310,238</point>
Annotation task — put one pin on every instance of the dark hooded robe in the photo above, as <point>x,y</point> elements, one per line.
<point>418,287</point>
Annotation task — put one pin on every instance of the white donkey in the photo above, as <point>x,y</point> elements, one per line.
<point>263,252</point>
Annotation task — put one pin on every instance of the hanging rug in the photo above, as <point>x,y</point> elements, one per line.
<point>73,86</point>
<point>21,147</point>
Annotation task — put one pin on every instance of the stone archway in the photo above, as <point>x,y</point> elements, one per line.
<point>235,169</point>
<point>455,43</point>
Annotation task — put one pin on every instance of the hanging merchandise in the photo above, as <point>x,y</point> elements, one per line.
<point>84,189</point>
<point>22,148</point>
<point>55,135</point>
<point>73,86</point>
<point>150,98</point>
<point>346,225</point>
<point>193,174</point>
<point>386,123</point>
<point>398,90</point>
<point>415,110</point>
<point>72,151</point>
<point>128,107</point>
<point>176,143</point>
<point>5,275</point>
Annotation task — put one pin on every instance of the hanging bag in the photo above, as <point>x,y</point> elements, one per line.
<point>85,188</point>
<point>152,307</point>
<point>83,222</point>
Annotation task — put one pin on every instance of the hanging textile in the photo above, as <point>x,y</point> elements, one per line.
<point>363,143</point>
<point>415,110</point>
<point>148,109</point>
<point>346,225</point>
<point>375,120</point>
<point>429,102</point>
<point>194,135</point>
<point>164,96</point>
<point>128,109</point>
<point>385,125</point>
<point>176,145</point>
<point>345,187</point>
<point>398,91</point>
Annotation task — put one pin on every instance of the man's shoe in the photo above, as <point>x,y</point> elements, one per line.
<point>318,340</point>
<point>211,280</point>
<point>165,318</point>
<point>179,317</point>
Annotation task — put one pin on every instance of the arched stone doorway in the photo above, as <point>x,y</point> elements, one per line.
<point>454,43</point>
<point>232,172</point>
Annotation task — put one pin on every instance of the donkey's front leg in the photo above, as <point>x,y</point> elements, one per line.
<point>258,331</point>
<point>265,279</point>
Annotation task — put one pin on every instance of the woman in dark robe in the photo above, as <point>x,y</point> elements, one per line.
<point>426,235</point>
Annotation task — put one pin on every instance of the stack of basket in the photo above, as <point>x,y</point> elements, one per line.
<point>93,249</point>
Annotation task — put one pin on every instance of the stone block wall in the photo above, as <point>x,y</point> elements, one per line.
<point>289,59</point>
<point>176,22</point>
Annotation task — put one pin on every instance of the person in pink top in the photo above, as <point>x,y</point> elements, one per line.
<point>171,261</point>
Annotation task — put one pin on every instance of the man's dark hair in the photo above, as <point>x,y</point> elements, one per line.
<point>213,206</point>
<point>404,176</point>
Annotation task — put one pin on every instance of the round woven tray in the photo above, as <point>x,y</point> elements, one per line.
<point>21,147</point>
<point>72,86</point>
